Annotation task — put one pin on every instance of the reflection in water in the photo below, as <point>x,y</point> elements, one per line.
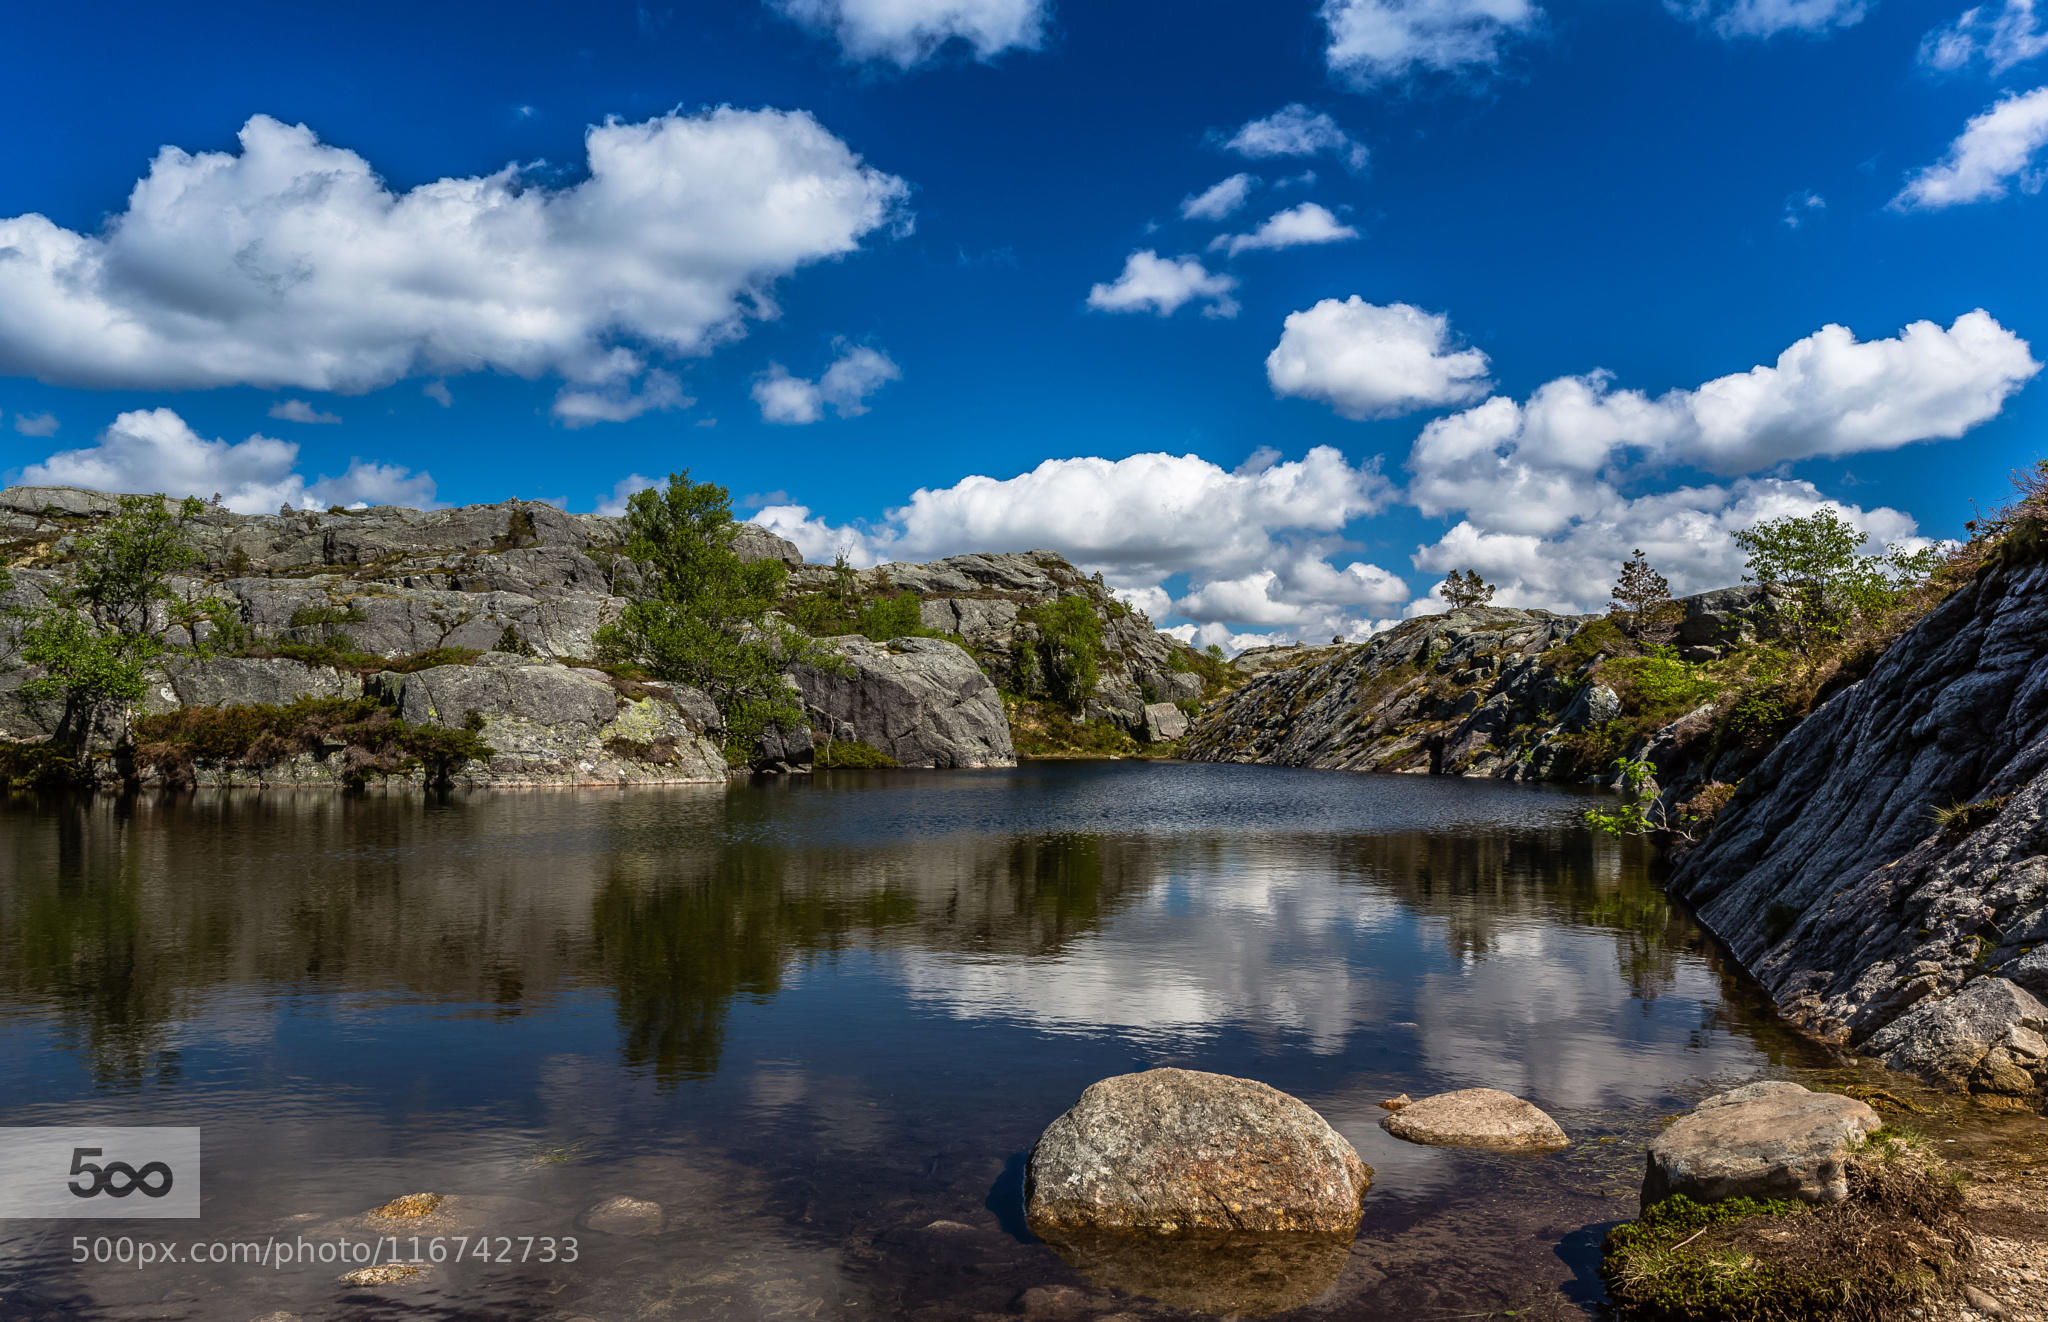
<point>1232,1276</point>
<point>855,998</point>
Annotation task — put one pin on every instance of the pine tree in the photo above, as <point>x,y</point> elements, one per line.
<point>1642,595</point>
<point>1465,588</point>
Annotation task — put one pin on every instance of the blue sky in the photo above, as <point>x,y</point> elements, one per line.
<point>872,276</point>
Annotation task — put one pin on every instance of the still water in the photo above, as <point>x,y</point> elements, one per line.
<point>820,1022</point>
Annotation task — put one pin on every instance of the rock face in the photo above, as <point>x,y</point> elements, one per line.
<point>1164,722</point>
<point>1766,1140</point>
<point>922,701</point>
<point>1171,1151</point>
<point>1477,1118</point>
<point>1832,882</point>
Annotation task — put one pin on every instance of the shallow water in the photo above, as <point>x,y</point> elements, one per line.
<point>813,1018</point>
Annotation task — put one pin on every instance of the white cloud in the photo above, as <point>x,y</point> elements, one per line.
<point>438,392</point>
<point>1369,361</point>
<point>615,504</point>
<point>2010,37</point>
<point>298,410</point>
<point>1769,18</point>
<point>1802,207</point>
<point>1306,223</point>
<point>1995,150</point>
<point>291,263</point>
<point>1295,130</point>
<point>857,373</point>
<point>1258,541</point>
<point>1218,201</point>
<point>36,424</point>
<point>618,401</point>
<point>153,450</point>
<point>909,32</point>
<point>1373,41</point>
<point>1537,486</point>
<point>1151,283</point>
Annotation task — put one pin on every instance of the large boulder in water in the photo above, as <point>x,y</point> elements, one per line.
<point>1174,1151</point>
<point>1477,1118</point>
<point>1766,1140</point>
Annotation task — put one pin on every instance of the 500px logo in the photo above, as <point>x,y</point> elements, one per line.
<point>95,1173</point>
<point>108,1179</point>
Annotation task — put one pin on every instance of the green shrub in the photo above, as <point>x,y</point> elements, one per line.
<point>1601,637</point>
<point>851,755</point>
<point>1064,660</point>
<point>1657,687</point>
<point>371,740</point>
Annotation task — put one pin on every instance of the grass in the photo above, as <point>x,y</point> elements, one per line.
<point>1879,1255</point>
<point>1959,820</point>
<point>850,755</point>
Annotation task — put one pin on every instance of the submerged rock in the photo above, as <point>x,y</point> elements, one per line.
<point>622,1215</point>
<point>1172,1151</point>
<point>1476,1118</point>
<point>1765,1140</point>
<point>1245,1275</point>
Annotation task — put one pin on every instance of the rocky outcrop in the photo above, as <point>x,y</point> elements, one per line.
<point>1766,1140</point>
<point>1467,693</point>
<point>1170,1151</point>
<point>1892,850</point>
<point>985,601</point>
<point>921,701</point>
<point>1485,1118</point>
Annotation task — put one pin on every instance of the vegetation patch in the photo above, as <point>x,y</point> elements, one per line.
<point>1045,729</point>
<point>661,752</point>
<point>1895,1242</point>
<point>851,755</point>
<point>1959,820</point>
<point>371,741</point>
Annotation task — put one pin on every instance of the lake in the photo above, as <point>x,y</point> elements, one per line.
<point>821,1021</point>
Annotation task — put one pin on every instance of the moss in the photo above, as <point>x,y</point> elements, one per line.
<point>851,755</point>
<point>1879,1254</point>
<point>368,663</point>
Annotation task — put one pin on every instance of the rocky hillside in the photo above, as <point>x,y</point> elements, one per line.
<point>1485,691</point>
<point>1884,871</point>
<point>355,634</point>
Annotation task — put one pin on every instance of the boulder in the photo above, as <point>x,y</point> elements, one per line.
<point>922,701</point>
<point>1765,1140</point>
<point>1987,1038</point>
<point>1173,1151</point>
<point>503,685</point>
<point>1477,1118</point>
<point>245,681</point>
<point>1163,722</point>
<point>751,542</point>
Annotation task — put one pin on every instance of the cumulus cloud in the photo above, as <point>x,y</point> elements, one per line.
<point>1261,541</point>
<point>1295,227</point>
<point>909,32</point>
<point>1995,151</point>
<point>2003,39</point>
<point>1163,285</point>
<point>1219,201</point>
<point>618,400</point>
<point>291,263</point>
<point>1295,130</point>
<point>36,424</point>
<point>154,450</point>
<point>298,410</point>
<point>1768,18</point>
<point>1538,487</point>
<point>1369,361</point>
<point>624,489</point>
<point>1375,41</point>
<point>857,373</point>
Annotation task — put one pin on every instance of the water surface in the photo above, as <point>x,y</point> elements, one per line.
<point>820,1021</point>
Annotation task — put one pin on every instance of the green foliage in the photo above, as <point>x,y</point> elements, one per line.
<point>1046,729</point>
<point>1642,811</point>
<point>1658,687</point>
<point>1958,820</point>
<point>1465,588</point>
<point>45,768</point>
<point>1817,557</point>
<point>1215,673</point>
<point>510,642</point>
<point>519,531</point>
<point>851,755</point>
<point>1064,659</point>
<point>1602,637</point>
<point>702,614</point>
<point>345,656</point>
<point>370,739</point>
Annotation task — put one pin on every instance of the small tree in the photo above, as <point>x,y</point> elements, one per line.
<point>1067,657</point>
<point>1643,596</point>
<point>702,614</point>
<point>1465,588</point>
<point>1817,557</point>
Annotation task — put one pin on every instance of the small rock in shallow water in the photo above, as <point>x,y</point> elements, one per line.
<point>1477,1118</point>
<point>1396,1103</point>
<point>1170,1151</point>
<point>1766,1140</point>
<point>409,1207</point>
<point>624,1216</point>
<point>385,1274</point>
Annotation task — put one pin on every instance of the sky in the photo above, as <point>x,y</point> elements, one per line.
<point>1273,313</point>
